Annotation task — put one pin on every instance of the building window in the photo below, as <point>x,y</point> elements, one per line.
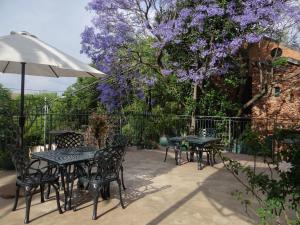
<point>276,52</point>
<point>276,91</point>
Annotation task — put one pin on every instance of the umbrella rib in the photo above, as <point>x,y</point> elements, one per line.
<point>3,71</point>
<point>54,71</point>
<point>91,74</point>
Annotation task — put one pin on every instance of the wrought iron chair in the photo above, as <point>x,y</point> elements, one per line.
<point>113,142</point>
<point>69,140</point>
<point>30,178</point>
<point>108,164</point>
<point>209,149</point>
<point>105,169</point>
<point>121,141</point>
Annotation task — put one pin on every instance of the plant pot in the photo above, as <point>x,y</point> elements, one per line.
<point>163,141</point>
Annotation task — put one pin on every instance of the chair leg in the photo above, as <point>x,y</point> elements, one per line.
<point>207,158</point>
<point>42,192</point>
<point>16,197</point>
<point>122,177</point>
<point>105,191</point>
<point>95,200</point>
<point>187,157</point>
<point>192,153</point>
<point>120,193</point>
<point>214,157</point>
<point>28,197</point>
<point>48,191</point>
<point>57,196</point>
<point>179,157</point>
<point>167,149</point>
<point>108,190</point>
<point>176,155</point>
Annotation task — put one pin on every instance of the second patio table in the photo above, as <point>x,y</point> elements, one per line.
<point>64,159</point>
<point>196,143</point>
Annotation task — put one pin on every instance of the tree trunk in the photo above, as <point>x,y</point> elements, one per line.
<point>252,101</point>
<point>193,121</point>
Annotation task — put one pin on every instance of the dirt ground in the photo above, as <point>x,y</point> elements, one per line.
<point>157,193</point>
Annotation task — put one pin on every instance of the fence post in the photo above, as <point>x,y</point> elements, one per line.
<point>50,136</point>
<point>45,122</point>
<point>229,133</point>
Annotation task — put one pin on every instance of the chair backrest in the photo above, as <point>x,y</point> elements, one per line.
<point>21,164</point>
<point>117,140</point>
<point>69,140</point>
<point>208,132</point>
<point>108,162</point>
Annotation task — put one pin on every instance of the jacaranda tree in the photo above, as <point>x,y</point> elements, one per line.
<point>193,39</point>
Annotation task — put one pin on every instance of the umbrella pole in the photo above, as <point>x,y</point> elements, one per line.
<point>22,116</point>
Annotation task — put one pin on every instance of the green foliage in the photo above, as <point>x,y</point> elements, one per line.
<point>82,96</point>
<point>7,129</point>
<point>277,189</point>
<point>279,62</point>
<point>216,103</point>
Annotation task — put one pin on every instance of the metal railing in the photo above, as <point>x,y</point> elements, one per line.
<point>142,129</point>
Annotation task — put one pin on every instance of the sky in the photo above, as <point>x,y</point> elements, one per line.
<point>56,22</point>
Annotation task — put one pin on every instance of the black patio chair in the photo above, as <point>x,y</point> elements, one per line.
<point>105,169</point>
<point>30,178</point>
<point>68,140</point>
<point>209,149</point>
<point>120,141</point>
<point>113,142</point>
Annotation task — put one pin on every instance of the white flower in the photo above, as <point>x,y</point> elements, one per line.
<point>284,167</point>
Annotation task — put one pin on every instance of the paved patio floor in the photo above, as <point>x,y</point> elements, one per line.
<point>157,193</point>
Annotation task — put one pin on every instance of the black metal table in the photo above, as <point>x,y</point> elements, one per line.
<point>196,143</point>
<point>64,159</point>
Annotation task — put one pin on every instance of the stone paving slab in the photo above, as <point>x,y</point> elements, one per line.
<point>157,193</point>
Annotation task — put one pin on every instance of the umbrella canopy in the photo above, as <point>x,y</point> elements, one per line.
<point>41,59</point>
<point>23,53</point>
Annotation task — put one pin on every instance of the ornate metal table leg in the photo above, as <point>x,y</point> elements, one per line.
<point>176,154</point>
<point>62,174</point>
<point>199,153</point>
<point>72,178</point>
<point>167,149</point>
<point>179,156</point>
<point>211,157</point>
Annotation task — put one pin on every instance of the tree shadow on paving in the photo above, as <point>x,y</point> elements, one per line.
<point>21,206</point>
<point>217,189</point>
<point>139,171</point>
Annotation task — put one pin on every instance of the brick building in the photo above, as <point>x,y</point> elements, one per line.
<point>280,103</point>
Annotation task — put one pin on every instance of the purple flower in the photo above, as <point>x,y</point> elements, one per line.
<point>200,44</point>
<point>149,81</point>
<point>184,13</point>
<point>166,72</point>
<point>253,38</point>
<point>140,94</point>
<point>235,44</point>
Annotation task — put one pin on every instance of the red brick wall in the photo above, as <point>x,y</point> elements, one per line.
<point>284,109</point>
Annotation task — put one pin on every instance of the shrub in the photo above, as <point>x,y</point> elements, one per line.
<point>277,189</point>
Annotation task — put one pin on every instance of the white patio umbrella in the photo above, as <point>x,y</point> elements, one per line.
<point>23,53</point>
